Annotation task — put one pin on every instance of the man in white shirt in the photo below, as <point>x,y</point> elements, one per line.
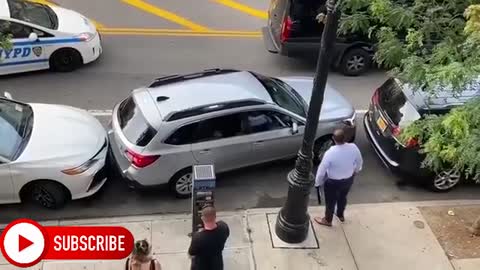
<point>339,165</point>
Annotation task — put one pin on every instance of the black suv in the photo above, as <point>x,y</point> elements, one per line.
<point>394,106</point>
<point>293,30</point>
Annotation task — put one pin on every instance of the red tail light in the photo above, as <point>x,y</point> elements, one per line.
<point>396,131</point>
<point>375,97</point>
<point>140,161</point>
<point>286,29</point>
<point>411,143</point>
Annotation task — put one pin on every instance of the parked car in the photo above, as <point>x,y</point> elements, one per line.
<point>45,36</point>
<point>49,154</point>
<point>228,118</point>
<point>394,106</point>
<point>292,30</point>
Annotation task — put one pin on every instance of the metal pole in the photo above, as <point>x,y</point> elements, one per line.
<point>293,219</point>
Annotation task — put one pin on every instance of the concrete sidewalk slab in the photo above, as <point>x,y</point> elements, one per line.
<point>84,265</point>
<point>10,267</point>
<point>331,257</point>
<point>171,236</point>
<point>393,237</point>
<point>466,264</point>
<point>234,259</point>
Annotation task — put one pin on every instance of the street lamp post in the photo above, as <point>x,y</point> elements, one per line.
<point>293,219</point>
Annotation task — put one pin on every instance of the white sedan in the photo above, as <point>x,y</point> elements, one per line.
<point>45,37</point>
<point>49,154</point>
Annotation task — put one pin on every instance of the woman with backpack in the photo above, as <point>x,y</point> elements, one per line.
<point>141,258</point>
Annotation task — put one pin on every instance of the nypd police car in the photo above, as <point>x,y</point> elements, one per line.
<point>45,36</point>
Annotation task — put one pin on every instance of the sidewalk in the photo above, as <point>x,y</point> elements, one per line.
<point>387,236</point>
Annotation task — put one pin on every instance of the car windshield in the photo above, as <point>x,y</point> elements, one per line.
<point>16,124</point>
<point>283,95</point>
<point>34,13</point>
<point>395,104</point>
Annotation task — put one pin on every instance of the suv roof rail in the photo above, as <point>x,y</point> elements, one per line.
<point>215,107</point>
<point>178,78</point>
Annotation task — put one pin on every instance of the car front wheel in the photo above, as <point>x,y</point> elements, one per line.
<point>181,184</point>
<point>445,181</point>
<point>65,60</point>
<point>48,194</point>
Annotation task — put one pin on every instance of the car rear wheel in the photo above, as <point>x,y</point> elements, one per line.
<point>65,60</point>
<point>181,184</point>
<point>48,194</point>
<point>355,62</point>
<point>320,147</point>
<point>445,181</point>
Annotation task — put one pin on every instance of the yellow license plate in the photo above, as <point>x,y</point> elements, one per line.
<point>381,124</point>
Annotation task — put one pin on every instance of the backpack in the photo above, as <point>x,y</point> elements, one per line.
<point>152,264</point>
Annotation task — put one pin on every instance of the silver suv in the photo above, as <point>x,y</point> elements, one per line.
<point>228,118</point>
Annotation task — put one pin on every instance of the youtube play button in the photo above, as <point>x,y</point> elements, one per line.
<point>23,243</point>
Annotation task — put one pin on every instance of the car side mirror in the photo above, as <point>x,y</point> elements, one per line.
<point>33,37</point>
<point>7,95</point>
<point>294,128</point>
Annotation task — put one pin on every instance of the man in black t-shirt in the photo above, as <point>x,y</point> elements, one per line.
<point>207,245</point>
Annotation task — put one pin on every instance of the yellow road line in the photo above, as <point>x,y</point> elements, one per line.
<point>167,15</point>
<point>243,8</point>
<point>180,31</point>
<point>43,2</point>
<point>97,24</point>
<point>192,34</point>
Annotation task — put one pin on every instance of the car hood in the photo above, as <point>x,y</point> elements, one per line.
<point>70,21</point>
<point>335,105</point>
<point>63,133</point>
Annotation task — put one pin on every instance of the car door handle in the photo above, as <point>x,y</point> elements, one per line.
<point>258,143</point>
<point>205,151</point>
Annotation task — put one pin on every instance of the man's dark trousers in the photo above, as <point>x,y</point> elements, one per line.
<point>336,192</point>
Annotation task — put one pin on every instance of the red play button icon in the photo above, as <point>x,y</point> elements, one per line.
<point>23,243</point>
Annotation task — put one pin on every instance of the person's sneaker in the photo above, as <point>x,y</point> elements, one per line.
<point>342,219</point>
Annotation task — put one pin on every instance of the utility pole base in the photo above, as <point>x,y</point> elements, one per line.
<point>292,233</point>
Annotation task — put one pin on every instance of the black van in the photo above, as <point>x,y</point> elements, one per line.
<point>293,30</point>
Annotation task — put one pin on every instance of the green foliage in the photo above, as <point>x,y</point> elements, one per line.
<point>451,140</point>
<point>428,43</point>
<point>5,40</point>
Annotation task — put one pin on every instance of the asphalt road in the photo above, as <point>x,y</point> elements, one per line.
<point>140,46</point>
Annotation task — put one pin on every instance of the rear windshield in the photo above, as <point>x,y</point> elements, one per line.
<point>134,126</point>
<point>395,104</point>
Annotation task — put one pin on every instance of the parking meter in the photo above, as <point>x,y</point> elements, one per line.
<point>203,188</point>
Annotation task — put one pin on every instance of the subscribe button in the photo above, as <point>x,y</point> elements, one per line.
<point>25,243</point>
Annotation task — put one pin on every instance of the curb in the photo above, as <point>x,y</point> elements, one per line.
<point>157,217</point>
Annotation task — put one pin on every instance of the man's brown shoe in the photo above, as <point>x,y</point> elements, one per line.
<point>323,221</point>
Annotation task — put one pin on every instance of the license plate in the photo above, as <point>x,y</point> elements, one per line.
<point>381,124</point>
